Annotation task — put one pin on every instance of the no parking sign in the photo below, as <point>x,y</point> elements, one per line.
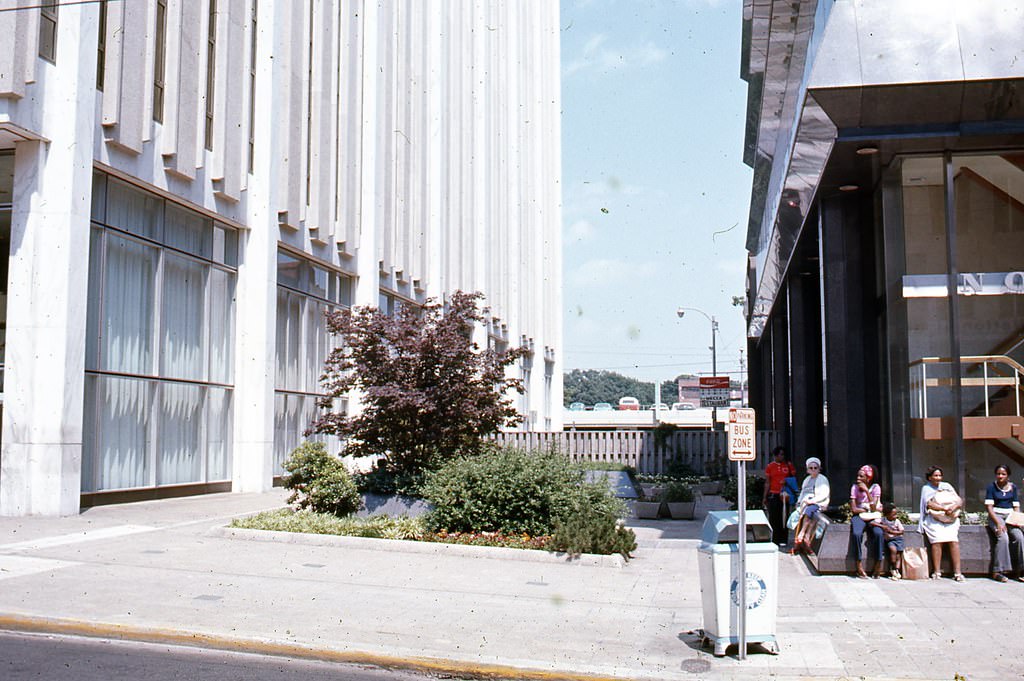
<point>741,435</point>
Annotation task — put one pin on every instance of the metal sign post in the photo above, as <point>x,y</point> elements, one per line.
<point>742,450</point>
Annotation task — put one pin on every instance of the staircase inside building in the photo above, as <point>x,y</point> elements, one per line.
<point>992,395</point>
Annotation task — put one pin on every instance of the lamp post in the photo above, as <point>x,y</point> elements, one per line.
<point>714,352</point>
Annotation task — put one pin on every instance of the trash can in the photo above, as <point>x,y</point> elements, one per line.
<point>719,563</point>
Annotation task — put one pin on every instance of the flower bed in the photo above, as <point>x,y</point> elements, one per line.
<point>380,527</point>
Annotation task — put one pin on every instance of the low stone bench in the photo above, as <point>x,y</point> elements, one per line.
<point>833,552</point>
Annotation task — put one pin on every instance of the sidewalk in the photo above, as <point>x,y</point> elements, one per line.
<point>157,571</point>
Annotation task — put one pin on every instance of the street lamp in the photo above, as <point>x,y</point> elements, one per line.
<point>714,353</point>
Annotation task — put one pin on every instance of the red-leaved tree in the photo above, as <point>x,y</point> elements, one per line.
<point>428,391</point>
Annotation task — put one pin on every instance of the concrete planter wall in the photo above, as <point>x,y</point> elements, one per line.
<point>681,510</point>
<point>647,509</point>
<point>833,553</point>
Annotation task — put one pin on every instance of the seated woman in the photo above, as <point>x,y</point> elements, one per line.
<point>940,521</point>
<point>1002,497</point>
<point>866,506</point>
<point>814,498</point>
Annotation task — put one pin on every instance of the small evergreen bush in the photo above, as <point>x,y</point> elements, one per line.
<point>592,526</point>
<point>755,491</point>
<point>678,492</point>
<point>592,535</point>
<point>320,482</point>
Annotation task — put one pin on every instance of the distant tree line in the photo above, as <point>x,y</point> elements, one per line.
<point>592,385</point>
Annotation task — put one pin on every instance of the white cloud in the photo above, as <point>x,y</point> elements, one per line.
<point>598,56</point>
<point>605,272</point>
<point>734,266</point>
<point>581,230</point>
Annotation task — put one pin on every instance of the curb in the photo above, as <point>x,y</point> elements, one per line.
<point>407,546</point>
<point>120,632</point>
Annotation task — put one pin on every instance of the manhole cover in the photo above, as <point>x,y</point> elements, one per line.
<point>695,665</point>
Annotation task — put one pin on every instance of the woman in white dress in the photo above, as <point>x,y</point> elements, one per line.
<point>940,521</point>
<point>814,498</point>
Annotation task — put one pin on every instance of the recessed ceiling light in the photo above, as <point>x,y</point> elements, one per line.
<point>867,151</point>
<point>848,187</point>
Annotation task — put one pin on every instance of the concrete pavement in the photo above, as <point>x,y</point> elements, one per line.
<point>162,571</point>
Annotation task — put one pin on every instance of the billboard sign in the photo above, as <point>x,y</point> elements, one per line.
<point>714,391</point>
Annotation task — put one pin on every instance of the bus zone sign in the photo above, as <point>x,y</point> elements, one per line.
<point>741,435</point>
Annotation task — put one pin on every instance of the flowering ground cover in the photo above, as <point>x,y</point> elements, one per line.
<point>380,527</point>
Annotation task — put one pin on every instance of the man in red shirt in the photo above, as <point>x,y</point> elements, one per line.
<point>776,473</point>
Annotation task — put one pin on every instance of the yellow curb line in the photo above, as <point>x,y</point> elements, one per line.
<point>71,627</point>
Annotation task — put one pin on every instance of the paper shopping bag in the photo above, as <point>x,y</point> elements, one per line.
<point>915,563</point>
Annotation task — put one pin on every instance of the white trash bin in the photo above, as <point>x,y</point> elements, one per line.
<point>719,563</point>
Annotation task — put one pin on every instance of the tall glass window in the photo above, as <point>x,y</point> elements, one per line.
<point>159,61</point>
<point>159,344</point>
<point>963,387</point>
<point>48,30</point>
<point>306,291</point>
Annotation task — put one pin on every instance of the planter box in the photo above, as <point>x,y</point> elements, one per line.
<point>647,509</point>
<point>681,510</point>
<point>833,553</point>
<point>651,491</point>
<point>710,487</point>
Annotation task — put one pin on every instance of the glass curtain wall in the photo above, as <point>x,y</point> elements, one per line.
<point>305,293</point>
<point>989,209</point>
<point>159,343</point>
<point>969,385</point>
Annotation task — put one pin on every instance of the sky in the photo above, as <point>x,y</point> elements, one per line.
<point>655,193</point>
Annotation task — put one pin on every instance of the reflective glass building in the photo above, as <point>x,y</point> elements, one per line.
<point>886,235</point>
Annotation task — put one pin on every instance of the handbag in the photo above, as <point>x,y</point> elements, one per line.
<point>794,518</point>
<point>823,522</point>
<point>944,498</point>
<point>915,563</point>
<point>1015,519</point>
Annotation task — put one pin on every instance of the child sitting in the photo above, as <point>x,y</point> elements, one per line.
<point>892,528</point>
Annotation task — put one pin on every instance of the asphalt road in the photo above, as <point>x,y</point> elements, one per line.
<point>64,658</point>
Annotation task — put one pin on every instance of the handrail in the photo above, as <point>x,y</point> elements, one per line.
<point>971,359</point>
<point>920,381</point>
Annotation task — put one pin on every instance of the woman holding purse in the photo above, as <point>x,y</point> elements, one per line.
<point>866,506</point>
<point>1002,499</point>
<point>940,521</point>
<point>814,498</point>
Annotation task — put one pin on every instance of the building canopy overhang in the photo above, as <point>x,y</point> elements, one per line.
<point>903,77</point>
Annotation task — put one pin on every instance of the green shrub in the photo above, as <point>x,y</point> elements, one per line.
<point>381,480</point>
<point>678,492</point>
<point>599,534</point>
<point>680,469</point>
<point>319,481</point>
<point>755,491</point>
<point>512,491</point>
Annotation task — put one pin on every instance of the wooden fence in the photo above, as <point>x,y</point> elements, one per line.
<point>704,451</point>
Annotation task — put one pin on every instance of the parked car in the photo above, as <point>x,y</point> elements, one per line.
<point>602,406</point>
<point>683,406</point>
<point>629,404</point>
<point>659,406</point>
<point>577,406</point>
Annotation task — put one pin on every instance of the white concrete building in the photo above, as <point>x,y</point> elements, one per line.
<point>186,185</point>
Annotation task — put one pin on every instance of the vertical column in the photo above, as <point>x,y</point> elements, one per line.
<point>805,365</point>
<point>853,385</point>
<point>779,326</point>
<point>256,300</point>
<point>41,457</point>
<point>368,283</point>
